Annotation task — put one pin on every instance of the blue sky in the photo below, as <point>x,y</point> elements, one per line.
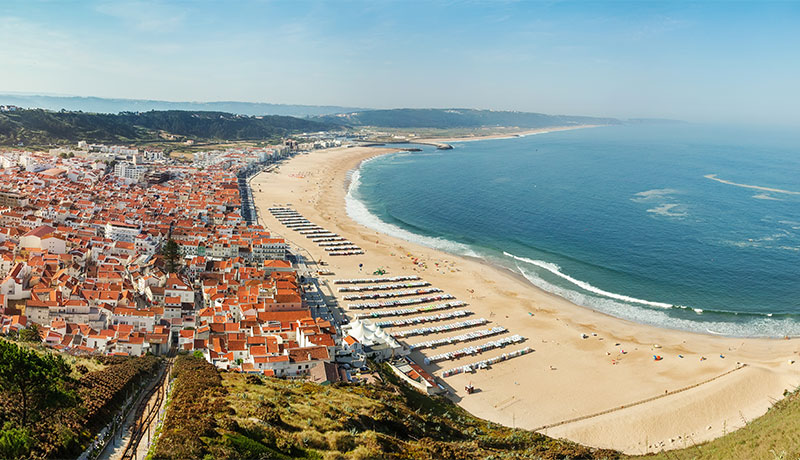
<point>702,61</point>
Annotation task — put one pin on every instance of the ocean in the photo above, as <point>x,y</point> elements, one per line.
<point>684,226</point>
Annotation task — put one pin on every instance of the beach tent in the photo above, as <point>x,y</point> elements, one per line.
<point>377,342</point>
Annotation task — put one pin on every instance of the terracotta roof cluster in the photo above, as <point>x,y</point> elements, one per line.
<point>79,256</point>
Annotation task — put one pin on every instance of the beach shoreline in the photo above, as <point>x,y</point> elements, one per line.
<point>691,398</point>
<point>498,136</point>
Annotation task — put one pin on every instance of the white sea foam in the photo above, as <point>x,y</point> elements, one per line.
<point>754,187</point>
<point>669,210</point>
<point>357,211</point>
<point>764,242</point>
<point>556,270</point>
<point>656,193</point>
<point>764,196</point>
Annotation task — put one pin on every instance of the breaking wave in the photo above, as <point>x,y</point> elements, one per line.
<point>358,211</point>
<point>555,269</point>
<point>705,321</point>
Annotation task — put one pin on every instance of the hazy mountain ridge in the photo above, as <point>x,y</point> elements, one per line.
<point>37,126</point>
<point>116,105</point>
<point>459,118</point>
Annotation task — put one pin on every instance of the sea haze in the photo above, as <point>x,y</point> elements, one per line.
<point>682,226</point>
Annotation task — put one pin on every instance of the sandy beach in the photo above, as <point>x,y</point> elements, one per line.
<point>605,390</point>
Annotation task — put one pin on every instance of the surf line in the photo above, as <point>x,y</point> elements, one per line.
<point>754,187</point>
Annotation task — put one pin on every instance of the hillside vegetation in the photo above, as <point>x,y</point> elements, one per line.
<point>51,406</point>
<point>41,127</point>
<point>459,118</point>
<point>233,416</point>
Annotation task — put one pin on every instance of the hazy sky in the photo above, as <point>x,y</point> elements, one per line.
<point>705,61</point>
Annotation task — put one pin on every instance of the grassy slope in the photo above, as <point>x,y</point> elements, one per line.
<point>273,418</point>
<point>380,421</point>
<point>775,435</point>
<point>89,364</point>
<point>234,416</point>
<point>322,419</point>
<point>285,419</point>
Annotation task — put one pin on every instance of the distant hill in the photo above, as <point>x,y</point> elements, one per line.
<point>42,127</point>
<point>458,118</point>
<point>104,105</point>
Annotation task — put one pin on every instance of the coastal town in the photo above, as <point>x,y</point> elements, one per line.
<point>83,259</point>
<point>364,230</point>
<point>114,250</point>
<point>244,256</point>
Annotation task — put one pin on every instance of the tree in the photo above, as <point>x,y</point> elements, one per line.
<point>15,442</point>
<point>30,334</point>
<point>171,255</point>
<point>32,382</point>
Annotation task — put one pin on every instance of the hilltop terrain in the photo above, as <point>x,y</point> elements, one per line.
<point>459,118</point>
<point>116,105</point>
<point>41,127</point>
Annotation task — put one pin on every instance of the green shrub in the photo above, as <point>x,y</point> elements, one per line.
<point>15,442</point>
<point>311,439</point>
<point>364,453</point>
<point>341,441</point>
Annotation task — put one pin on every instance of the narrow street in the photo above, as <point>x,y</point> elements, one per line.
<point>137,434</point>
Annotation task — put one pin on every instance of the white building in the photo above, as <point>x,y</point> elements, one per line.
<point>175,287</point>
<point>129,171</point>
<point>269,249</point>
<point>153,155</point>
<point>120,231</point>
<point>43,238</point>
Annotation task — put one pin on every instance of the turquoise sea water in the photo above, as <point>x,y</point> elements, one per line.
<point>619,219</point>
